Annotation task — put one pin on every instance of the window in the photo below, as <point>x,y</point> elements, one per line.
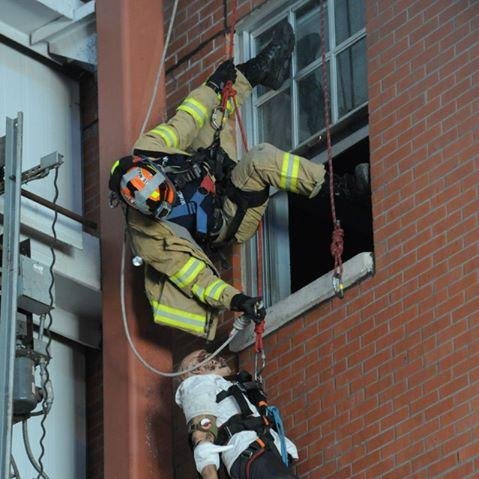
<point>299,102</point>
<point>297,231</point>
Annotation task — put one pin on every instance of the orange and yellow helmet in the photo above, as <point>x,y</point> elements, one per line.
<point>143,185</point>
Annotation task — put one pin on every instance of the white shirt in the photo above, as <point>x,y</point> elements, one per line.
<point>196,395</point>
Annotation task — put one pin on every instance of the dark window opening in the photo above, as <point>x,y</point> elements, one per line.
<point>310,224</point>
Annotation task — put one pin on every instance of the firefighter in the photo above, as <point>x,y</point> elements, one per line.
<point>185,191</point>
<point>226,415</point>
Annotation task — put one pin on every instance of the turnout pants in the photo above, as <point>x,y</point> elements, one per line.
<point>263,166</point>
<point>265,465</point>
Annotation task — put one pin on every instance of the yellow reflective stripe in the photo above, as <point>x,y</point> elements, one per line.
<point>167,134</point>
<point>289,173</point>
<point>199,292</point>
<point>196,109</point>
<point>178,318</point>
<point>215,289</point>
<point>230,106</point>
<point>113,168</point>
<point>188,272</point>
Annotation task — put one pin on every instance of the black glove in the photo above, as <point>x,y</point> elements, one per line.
<point>251,307</point>
<point>224,73</point>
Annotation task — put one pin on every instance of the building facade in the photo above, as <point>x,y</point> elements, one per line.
<point>383,383</point>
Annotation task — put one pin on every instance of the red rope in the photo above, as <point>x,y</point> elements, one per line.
<point>337,243</point>
<point>227,93</point>
<point>241,126</point>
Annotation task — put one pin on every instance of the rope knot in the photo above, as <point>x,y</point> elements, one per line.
<point>337,241</point>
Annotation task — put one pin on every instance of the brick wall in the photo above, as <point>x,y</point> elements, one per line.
<point>384,383</point>
<point>197,44</point>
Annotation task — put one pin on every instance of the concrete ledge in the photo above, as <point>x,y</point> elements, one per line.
<point>320,290</point>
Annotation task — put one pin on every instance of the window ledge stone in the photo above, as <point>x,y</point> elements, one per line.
<point>320,290</point>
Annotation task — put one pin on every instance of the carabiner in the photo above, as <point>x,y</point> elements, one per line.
<point>258,370</point>
<point>218,126</point>
<point>338,285</point>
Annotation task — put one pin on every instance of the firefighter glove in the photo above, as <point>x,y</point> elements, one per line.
<point>207,453</point>
<point>253,308</point>
<point>224,73</point>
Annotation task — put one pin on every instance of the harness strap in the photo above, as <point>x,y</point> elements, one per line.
<point>253,458</point>
<point>193,207</point>
<point>239,423</point>
<point>235,391</point>
<point>243,200</point>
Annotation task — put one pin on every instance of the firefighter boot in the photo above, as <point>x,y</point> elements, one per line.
<point>348,186</point>
<point>271,66</point>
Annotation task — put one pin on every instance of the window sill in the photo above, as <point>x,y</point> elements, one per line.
<point>320,290</point>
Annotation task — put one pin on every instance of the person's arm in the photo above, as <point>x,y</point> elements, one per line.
<point>197,397</point>
<point>209,472</point>
<point>191,275</point>
<point>195,278</point>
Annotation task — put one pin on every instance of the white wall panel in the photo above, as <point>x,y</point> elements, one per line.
<point>50,103</point>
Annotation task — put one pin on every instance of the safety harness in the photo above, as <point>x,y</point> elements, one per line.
<point>202,182</point>
<point>196,200</point>
<point>244,388</point>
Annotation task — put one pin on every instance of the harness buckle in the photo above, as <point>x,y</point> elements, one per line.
<point>247,453</point>
<point>215,123</point>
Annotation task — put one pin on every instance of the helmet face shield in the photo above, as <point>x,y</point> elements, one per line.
<point>146,188</point>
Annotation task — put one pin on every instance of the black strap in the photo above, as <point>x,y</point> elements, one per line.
<point>235,391</point>
<point>243,201</point>
<point>239,423</point>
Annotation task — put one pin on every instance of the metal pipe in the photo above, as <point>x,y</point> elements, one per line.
<point>11,235</point>
<point>59,209</point>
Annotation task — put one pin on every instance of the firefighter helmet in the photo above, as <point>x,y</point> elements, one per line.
<point>143,185</point>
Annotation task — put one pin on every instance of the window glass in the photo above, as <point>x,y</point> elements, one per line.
<point>308,38</point>
<point>349,18</point>
<point>311,104</point>
<point>274,121</point>
<point>352,78</point>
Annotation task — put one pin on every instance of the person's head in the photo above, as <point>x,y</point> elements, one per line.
<point>141,183</point>
<point>217,365</point>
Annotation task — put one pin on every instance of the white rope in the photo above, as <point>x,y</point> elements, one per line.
<point>160,68</point>
<point>239,324</point>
